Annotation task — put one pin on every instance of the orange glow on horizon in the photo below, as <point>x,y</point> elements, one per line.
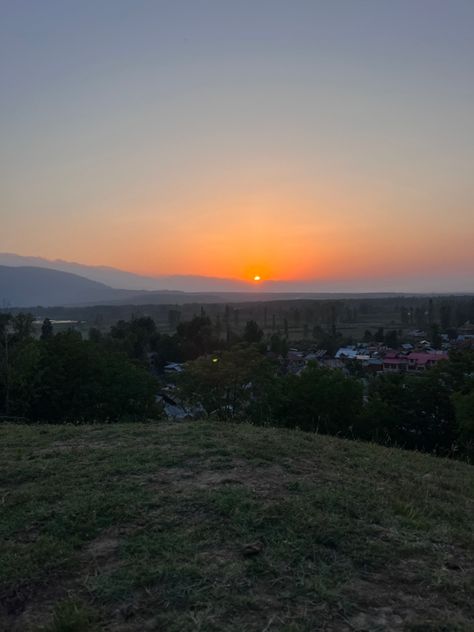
<point>279,233</point>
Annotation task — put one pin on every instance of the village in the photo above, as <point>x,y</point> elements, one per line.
<point>370,357</point>
<point>415,354</point>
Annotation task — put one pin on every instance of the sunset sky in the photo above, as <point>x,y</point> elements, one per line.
<point>292,139</point>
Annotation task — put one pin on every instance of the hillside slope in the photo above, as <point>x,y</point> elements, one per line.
<point>220,527</point>
<point>30,286</point>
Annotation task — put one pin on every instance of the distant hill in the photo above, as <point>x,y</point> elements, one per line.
<point>120,279</point>
<point>114,278</point>
<point>28,286</point>
<point>173,289</point>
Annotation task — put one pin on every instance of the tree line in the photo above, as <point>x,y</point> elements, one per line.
<point>62,378</point>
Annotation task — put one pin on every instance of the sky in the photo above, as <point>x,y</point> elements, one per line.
<point>328,141</point>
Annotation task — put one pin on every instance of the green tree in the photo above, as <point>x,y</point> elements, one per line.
<point>222,384</point>
<point>5,323</point>
<point>445,315</point>
<point>404,316</point>
<point>414,412</point>
<point>278,345</point>
<point>196,337</point>
<point>379,335</point>
<point>22,327</point>
<point>252,332</point>
<point>391,339</point>
<point>67,379</point>
<point>25,377</point>
<point>317,400</point>
<point>464,407</point>
<point>435,336</point>
<point>46,329</point>
<point>333,320</point>
<point>137,337</point>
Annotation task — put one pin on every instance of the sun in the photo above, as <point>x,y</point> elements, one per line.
<point>257,278</point>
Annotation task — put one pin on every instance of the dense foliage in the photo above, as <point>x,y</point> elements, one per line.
<point>59,377</point>
<point>62,378</point>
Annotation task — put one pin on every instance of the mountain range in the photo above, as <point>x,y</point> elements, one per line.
<point>34,281</point>
<point>123,280</point>
<point>29,286</point>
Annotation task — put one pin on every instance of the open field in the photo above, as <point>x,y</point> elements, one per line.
<point>219,527</point>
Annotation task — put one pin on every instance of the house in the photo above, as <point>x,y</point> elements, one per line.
<point>467,329</point>
<point>465,339</point>
<point>422,360</point>
<point>374,365</point>
<point>348,353</point>
<point>315,356</point>
<point>295,361</point>
<point>416,333</point>
<point>391,354</point>
<point>395,365</point>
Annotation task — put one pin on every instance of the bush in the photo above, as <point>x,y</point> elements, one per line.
<point>318,399</point>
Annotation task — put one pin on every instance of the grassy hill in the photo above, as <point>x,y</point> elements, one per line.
<point>220,527</point>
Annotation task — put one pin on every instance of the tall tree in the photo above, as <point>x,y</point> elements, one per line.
<point>252,332</point>
<point>46,329</point>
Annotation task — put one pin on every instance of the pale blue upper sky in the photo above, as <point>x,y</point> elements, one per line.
<point>119,119</point>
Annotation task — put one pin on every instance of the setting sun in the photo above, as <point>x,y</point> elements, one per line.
<point>257,278</point>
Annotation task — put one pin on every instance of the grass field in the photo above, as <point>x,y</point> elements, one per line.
<point>220,527</point>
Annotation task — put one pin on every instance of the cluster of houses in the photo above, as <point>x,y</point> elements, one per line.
<point>391,360</point>
<point>377,358</point>
<point>370,358</point>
